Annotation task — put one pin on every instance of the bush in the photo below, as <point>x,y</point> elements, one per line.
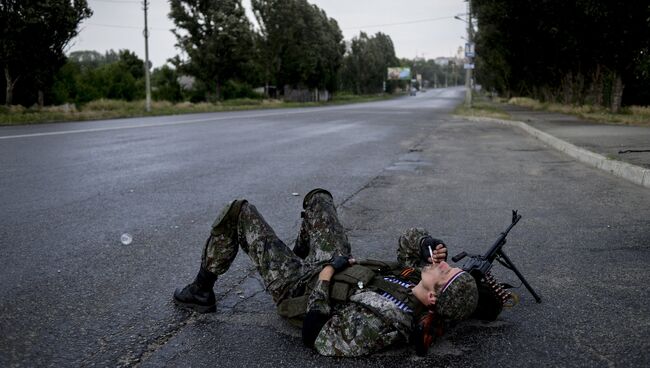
<point>164,84</point>
<point>638,110</point>
<point>64,87</point>
<point>106,105</point>
<point>232,90</point>
<point>242,102</point>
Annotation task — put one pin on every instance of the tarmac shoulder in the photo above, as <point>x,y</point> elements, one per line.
<point>621,150</point>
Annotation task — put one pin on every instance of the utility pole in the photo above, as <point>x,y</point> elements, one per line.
<point>470,61</point>
<point>147,79</point>
<point>447,75</point>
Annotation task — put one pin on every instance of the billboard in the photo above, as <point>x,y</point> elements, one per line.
<point>399,73</point>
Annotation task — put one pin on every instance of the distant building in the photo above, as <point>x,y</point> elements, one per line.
<point>445,60</point>
<point>442,61</point>
<point>186,82</point>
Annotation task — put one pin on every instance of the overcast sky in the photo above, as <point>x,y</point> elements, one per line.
<point>418,28</point>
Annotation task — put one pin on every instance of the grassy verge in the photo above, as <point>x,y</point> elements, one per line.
<point>482,107</point>
<point>631,115</point>
<point>111,109</point>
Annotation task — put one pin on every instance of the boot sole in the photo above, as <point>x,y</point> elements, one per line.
<point>197,308</point>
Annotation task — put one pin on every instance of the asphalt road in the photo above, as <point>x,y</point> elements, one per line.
<point>73,295</point>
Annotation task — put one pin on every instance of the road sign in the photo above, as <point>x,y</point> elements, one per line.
<point>469,49</point>
<point>469,66</point>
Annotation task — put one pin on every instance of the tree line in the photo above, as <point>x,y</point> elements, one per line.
<point>576,52</point>
<point>34,35</point>
<point>221,54</point>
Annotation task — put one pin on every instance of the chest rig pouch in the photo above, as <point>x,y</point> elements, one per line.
<point>342,286</point>
<point>345,282</point>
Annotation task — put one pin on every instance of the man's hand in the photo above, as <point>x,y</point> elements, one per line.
<point>340,263</point>
<point>337,264</point>
<point>431,246</point>
<point>439,254</point>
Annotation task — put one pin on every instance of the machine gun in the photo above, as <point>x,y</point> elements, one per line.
<point>479,266</point>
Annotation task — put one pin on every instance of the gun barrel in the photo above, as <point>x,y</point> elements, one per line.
<point>459,256</point>
<point>492,252</point>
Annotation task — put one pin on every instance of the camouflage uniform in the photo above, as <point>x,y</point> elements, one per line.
<point>366,324</point>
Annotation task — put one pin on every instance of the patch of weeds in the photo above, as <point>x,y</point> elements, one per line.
<point>111,109</point>
<point>629,115</point>
<point>482,107</point>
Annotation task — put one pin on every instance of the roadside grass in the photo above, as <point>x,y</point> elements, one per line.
<point>112,109</point>
<point>482,107</point>
<point>630,115</point>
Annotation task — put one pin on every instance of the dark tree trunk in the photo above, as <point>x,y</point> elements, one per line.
<point>11,83</point>
<point>617,93</point>
<point>597,87</point>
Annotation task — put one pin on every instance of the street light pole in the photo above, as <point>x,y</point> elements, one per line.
<point>468,70</point>
<point>147,79</point>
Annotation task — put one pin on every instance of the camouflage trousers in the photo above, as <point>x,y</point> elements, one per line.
<point>283,272</point>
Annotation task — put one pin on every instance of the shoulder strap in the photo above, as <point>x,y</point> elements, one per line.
<point>378,266</point>
<point>399,292</point>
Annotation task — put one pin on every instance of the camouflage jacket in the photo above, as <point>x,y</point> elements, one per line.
<point>366,323</point>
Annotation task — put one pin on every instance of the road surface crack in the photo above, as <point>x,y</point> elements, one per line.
<point>175,328</point>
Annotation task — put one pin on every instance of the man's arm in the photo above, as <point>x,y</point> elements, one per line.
<point>318,307</point>
<point>413,249</point>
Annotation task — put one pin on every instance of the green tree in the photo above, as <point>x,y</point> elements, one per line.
<point>216,41</point>
<point>65,86</point>
<point>87,59</point>
<point>90,75</point>
<point>165,86</point>
<point>366,63</point>
<point>300,46</point>
<point>449,73</point>
<point>34,34</point>
<point>132,63</point>
<point>111,81</point>
<point>585,51</point>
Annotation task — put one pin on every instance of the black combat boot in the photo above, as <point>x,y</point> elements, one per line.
<point>198,295</point>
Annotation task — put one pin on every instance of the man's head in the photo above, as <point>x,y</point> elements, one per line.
<point>450,291</point>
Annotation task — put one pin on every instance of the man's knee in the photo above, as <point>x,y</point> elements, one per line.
<point>228,218</point>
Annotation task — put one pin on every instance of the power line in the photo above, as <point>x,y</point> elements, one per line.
<point>121,26</point>
<point>400,23</point>
<point>118,1</point>
<point>347,28</point>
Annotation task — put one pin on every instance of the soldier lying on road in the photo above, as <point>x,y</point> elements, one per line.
<point>347,308</point>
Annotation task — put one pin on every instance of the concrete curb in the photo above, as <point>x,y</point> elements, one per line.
<point>635,174</point>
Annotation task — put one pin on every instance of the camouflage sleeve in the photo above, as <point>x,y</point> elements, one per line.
<point>319,299</point>
<point>354,331</point>
<point>408,251</point>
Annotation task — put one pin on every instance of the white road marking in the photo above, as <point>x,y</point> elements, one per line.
<point>180,122</point>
